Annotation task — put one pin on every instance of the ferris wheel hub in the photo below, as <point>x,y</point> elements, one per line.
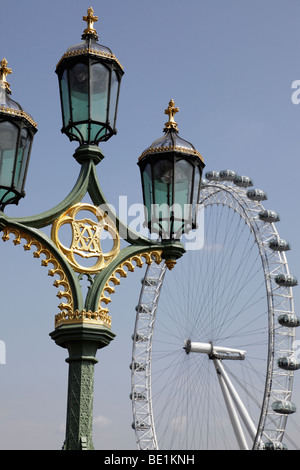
<point>214,352</point>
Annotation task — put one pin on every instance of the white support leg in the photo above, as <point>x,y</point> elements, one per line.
<point>238,403</point>
<point>231,410</point>
<point>234,404</point>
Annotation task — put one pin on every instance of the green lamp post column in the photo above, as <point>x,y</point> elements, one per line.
<point>82,341</point>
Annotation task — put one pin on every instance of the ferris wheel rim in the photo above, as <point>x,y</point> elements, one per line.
<point>249,209</point>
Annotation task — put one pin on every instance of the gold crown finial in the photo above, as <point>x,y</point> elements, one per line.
<point>90,20</point>
<point>171,111</point>
<point>4,71</point>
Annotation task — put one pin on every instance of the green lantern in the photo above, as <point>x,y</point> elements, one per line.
<point>171,171</point>
<point>89,78</point>
<point>17,130</point>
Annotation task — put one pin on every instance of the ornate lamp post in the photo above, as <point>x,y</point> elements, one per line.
<point>17,129</point>
<point>89,77</point>
<point>171,171</point>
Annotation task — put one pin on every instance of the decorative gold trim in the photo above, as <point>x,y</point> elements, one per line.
<point>171,124</point>
<point>19,113</point>
<point>171,111</point>
<point>90,19</point>
<point>171,148</point>
<point>4,71</point>
<point>63,281</point>
<point>90,50</point>
<point>101,315</point>
<point>86,237</point>
<point>170,263</point>
<point>80,317</point>
<point>131,263</point>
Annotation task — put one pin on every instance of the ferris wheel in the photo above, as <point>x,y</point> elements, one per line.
<point>213,353</point>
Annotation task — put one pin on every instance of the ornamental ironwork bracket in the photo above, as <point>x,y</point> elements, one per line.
<point>86,235</point>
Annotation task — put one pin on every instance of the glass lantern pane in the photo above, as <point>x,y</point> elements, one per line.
<point>5,196</point>
<point>163,182</point>
<point>97,132</point>
<point>80,132</point>
<point>197,180</point>
<point>99,92</point>
<point>183,182</point>
<point>114,88</point>
<point>8,144</point>
<point>65,98</point>
<point>22,157</point>
<point>147,188</point>
<point>182,195</point>
<point>163,195</point>
<point>79,89</point>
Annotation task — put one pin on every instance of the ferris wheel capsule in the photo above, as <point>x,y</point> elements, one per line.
<point>227,175</point>
<point>212,175</point>
<point>289,319</point>
<point>275,446</point>
<point>144,308</point>
<point>138,367</point>
<point>140,426</point>
<point>288,363</point>
<point>286,280</point>
<point>256,195</point>
<point>284,407</point>
<point>243,181</point>
<point>269,216</point>
<point>137,337</point>
<point>137,396</point>
<point>149,281</point>
<point>278,244</point>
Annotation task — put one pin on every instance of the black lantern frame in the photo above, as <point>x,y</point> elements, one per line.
<point>14,159</point>
<point>17,130</point>
<point>167,214</point>
<point>171,172</point>
<point>89,81</point>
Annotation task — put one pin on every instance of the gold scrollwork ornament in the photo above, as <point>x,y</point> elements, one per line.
<point>86,237</point>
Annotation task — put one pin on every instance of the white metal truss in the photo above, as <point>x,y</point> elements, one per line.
<point>141,357</point>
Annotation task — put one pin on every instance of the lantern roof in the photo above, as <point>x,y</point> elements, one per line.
<point>89,45</point>
<point>170,141</point>
<point>8,106</point>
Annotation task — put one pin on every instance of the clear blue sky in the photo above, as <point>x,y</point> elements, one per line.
<point>229,66</point>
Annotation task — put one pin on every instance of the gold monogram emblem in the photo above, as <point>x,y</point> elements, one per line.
<point>87,235</point>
